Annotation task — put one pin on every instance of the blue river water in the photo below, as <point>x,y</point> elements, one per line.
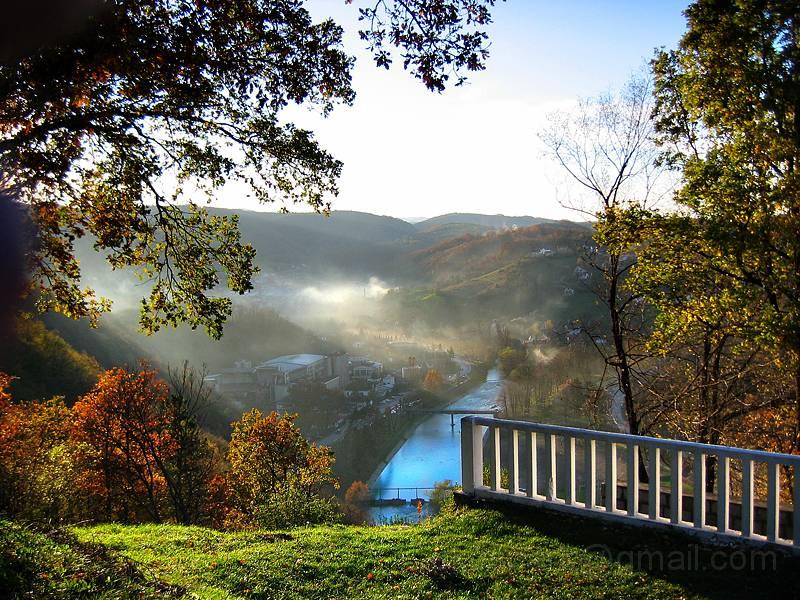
<point>432,453</point>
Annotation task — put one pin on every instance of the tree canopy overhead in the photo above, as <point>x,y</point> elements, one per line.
<point>121,130</point>
<point>728,106</point>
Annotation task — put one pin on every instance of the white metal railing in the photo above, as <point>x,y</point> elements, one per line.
<point>560,467</point>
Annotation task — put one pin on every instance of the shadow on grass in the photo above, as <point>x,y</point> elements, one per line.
<point>717,571</point>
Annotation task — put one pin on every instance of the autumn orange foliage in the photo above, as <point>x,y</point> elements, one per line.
<point>131,450</point>
<point>433,380</point>
<point>355,503</point>
<point>773,429</point>
<point>36,459</point>
<point>124,433</point>
<point>5,397</point>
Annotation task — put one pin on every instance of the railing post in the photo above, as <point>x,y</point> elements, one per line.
<point>795,506</point>
<point>533,466</point>
<point>514,475</point>
<point>467,456</point>
<point>550,466</point>
<point>773,501</point>
<point>590,472</point>
<point>654,487</point>
<point>747,497</point>
<point>569,451</point>
<point>723,493</point>
<point>611,476</point>
<point>699,489</point>
<point>676,490</point>
<point>633,479</point>
<point>494,445</point>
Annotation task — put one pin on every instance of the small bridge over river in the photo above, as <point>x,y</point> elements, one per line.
<point>494,411</point>
<point>396,496</point>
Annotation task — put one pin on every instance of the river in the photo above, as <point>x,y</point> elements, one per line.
<point>432,453</point>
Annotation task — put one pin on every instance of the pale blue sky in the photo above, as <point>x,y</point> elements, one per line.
<point>410,153</point>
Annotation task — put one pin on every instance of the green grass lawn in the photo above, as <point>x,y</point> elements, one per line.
<point>469,554</point>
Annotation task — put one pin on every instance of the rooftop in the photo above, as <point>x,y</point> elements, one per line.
<point>290,362</point>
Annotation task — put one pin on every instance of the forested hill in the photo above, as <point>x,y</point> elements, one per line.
<point>501,274</point>
<point>363,244</point>
<point>356,226</point>
<point>473,254</point>
<point>491,265</point>
<point>347,243</point>
<point>488,273</point>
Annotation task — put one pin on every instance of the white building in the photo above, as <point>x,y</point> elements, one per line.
<point>363,368</point>
<point>295,368</point>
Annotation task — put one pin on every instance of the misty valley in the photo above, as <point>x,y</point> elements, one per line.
<point>269,328</point>
<point>361,325</point>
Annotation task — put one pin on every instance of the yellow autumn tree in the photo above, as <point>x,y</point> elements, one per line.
<point>276,477</point>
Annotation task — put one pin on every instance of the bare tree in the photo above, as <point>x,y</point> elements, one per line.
<point>189,469</point>
<point>607,148</point>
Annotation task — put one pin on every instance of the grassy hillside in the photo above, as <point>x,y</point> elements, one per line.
<point>528,286</point>
<point>55,565</point>
<point>476,554</point>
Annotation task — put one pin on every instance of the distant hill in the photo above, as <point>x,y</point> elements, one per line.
<point>498,274</point>
<point>475,256</point>
<point>345,243</point>
<point>487,221</point>
<point>356,226</point>
<point>436,233</point>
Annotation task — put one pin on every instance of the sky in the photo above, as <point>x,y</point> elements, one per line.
<point>410,153</point>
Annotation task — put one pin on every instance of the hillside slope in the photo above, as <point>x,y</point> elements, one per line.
<point>479,270</point>
<point>346,242</point>
<point>44,364</point>
<point>532,270</point>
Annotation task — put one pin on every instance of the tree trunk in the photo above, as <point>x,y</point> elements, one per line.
<point>621,363</point>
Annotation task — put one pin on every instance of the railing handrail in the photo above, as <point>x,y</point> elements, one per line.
<point>642,440</point>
